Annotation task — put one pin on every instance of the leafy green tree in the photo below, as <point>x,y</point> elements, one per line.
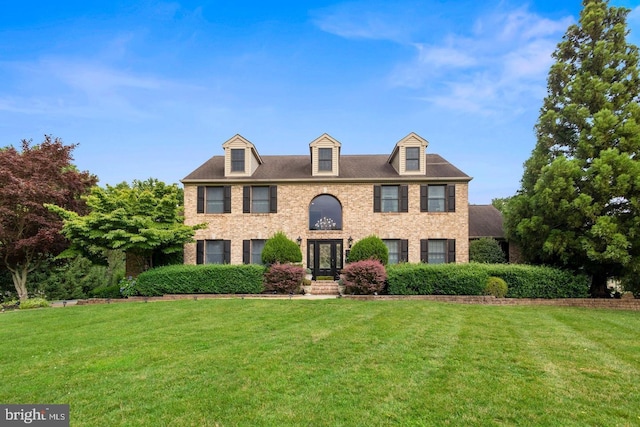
<point>579,202</point>
<point>486,250</point>
<point>30,179</point>
<point>143,220</point>
<point>500,202</point>
<point>280,249</point>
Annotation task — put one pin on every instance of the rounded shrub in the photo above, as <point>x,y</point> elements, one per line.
<point>371,247</point>
<point>496,287</point>
<point>364,277</point>
<point>280,249</point>
<point>284,278</point>
<point>486,250</point>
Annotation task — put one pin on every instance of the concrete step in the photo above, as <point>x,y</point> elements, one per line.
<point>324,288</point>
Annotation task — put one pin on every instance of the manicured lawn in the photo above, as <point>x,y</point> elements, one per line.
<point>324,363</point>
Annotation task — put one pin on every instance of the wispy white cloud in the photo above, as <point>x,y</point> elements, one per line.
<point>87,88</point>
<point>485,65</point>
<point>505,58</point>
<point>366,20</point>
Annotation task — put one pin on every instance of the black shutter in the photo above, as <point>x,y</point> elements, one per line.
<point>403,193</point>
<point>424,198</point>
<point>246,199</point>
<point>200,207</point>
<point>424,250</point>
<point>227,199</point>
<point>200,252</point>
<point>451,255</point>
<point>246,251</point>
<point>227,251</point>
<point>273,198</point>
<point>404,250</point>
<point>377,194</point>
<point>451,198</point>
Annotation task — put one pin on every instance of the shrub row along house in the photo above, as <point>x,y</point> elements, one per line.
<point>417,202</point>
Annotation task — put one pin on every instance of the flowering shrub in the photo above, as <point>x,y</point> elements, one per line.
<point>283,278</point>
<point>364,277</point>
<point>128,287</point>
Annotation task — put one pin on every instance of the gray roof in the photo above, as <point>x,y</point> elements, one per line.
<point>352,168</point>
<point>485,221</point>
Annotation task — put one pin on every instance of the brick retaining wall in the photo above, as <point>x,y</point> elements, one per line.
<point>614,304</point>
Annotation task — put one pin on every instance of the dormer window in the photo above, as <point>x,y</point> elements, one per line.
<point>408,156</point>
<point>325,157</point>
<point>412,158</point>
<point>237,160</point>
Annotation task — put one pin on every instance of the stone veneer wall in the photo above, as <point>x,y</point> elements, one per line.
<point>358,219</point>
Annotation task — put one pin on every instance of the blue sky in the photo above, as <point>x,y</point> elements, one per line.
<point>153,89</point>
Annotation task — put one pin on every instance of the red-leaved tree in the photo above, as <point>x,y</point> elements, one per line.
<point>29,178</point>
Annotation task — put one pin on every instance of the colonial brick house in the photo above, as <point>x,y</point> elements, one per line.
<point>417,202</point>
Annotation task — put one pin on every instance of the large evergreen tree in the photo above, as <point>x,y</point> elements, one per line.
<point>579,203</point>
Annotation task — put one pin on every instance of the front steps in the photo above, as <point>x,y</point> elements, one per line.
<point>323,287</point>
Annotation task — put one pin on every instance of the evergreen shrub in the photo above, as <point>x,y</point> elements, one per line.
<point>110,291</point>
<point>496,287</point>
<point>284,278</point>
<point>280,249</point>
<point>371,247</point>
<point>486,250</point>
<point>364,277</point>
<point>201,279</point>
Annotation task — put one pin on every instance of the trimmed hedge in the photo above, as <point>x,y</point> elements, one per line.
<point>529,281</point>
<point>111,291</point>
<point>436,279</point>
<point>524,281</point>
<point>201,279</point>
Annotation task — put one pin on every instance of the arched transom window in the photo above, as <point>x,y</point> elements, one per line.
<point>325,213</point>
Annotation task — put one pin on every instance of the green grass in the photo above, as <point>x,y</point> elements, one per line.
<point>325,363</point>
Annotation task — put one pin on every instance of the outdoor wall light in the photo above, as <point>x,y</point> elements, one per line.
<point>350,241</point>
<point>299,240</point>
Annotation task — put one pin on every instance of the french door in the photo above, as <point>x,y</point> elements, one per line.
<point>324,257</point>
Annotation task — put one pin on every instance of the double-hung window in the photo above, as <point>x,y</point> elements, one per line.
<point>412,158</point>
<point>438,251</point>
<point>237,160</point>
<point>438,198</point>
<point>252,251</point>
<point>398,250</point>
<point>325,159</point>
<point>260,199</point>
<point>213,252</point>
<point>214,199</point>
<point>390,198</point>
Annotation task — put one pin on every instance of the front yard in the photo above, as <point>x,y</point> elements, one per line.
<point>325,362</point>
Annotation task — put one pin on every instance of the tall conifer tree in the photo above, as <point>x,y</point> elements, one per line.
<point>579,202</point>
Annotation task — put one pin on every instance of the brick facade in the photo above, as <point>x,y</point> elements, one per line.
<point>358,219</point>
